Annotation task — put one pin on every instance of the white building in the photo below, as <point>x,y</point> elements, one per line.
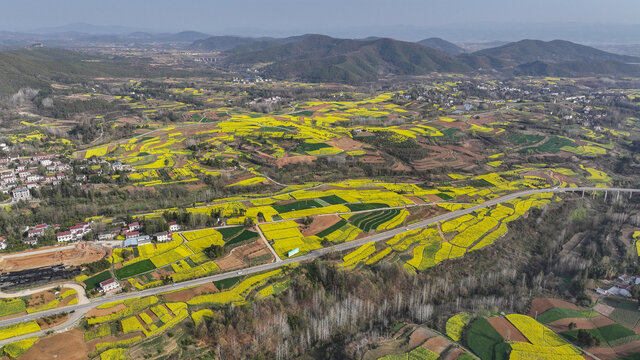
<point>173,226</point>
<point>163,236</point>
<point>109,285</point>
<point>64,236</point>
<point>21,194</point>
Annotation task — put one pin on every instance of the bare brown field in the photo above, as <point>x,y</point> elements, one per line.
<point>79,255</point>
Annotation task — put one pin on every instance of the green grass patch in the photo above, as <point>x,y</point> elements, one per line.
<point>135,269</point>
<point>243,236</point>
<point>525,139</point>
<point>450,134</point>
<point>12,306</point>
<point>483,339</point>
<point>297,205</point>
<point>95,280</point>
<point>625,312</point>
<point>444,196</point>
<point>306,147</point>
<point>614,334</point>
<point>552,145</point>
<point>554,314</point>
<point>306,113</point>
<point>332,228</point>
<point>367,206</point>
<point>227,283</point>
<point>229,232</point>
<point>369,221</point>
<point>332,199</point>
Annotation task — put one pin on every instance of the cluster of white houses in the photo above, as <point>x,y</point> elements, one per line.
<point>134,237</point>
<point>19,175</point>
<point>75,233</point>
<point>131,232</point>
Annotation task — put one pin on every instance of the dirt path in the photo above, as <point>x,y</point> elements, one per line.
<point>273,252</point>
<point>82,296</point>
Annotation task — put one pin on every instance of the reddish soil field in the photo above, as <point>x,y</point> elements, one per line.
<point>469,148</point>
<point>186,294</point>
<point>101,312</point>
<point>437,344</point>
<point>540,305</point>
<point>53,321</point>
<point>346,143</point>
<point>73,257</point>
<point>67,300</point>
<point>616,352</point>
<point>42,297</point>
<point>370,159</point>
<point>433,198</point>
<point>454,157</point>
<point>563,324</point>
<point>453,354</point>
<point>603,309</point>
<point>300,159</point>
<point>69,345</point>
<point>419,336</point>
<point>416,199</point>
<point>91,345</point>
<point>461,125</point>
<point>320,223</point>
<point>400,167</point>
<point>236,258</point>
<point>507,330</point>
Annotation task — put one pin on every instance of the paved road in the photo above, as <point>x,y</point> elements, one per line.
<point>81,309</point>
<point>37,252</point>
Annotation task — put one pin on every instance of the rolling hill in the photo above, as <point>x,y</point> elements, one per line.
<point>527,51</point>
<point>442,45</point>
<point>323,58</point>
<point>577,68</point>
<point>38,68</point>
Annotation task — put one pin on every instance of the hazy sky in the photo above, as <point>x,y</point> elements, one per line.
<point>275,17</point>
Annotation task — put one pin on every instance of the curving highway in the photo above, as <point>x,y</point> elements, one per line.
<point>80,309</point>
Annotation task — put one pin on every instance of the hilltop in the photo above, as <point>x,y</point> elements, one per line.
<point>442,45</point>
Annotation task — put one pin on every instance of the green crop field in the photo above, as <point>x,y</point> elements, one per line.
<point>95,280</point>
<point>332,200</point>
<point>370,221</point>
<point>297,205</point>
<point>483,340</point>
<point>227,283</point>
<point>367,206</point>
<point>332,228</point>
<point>243,236</point>
<point>229,232</point>
<point>554,314</point>
<point>135,269</point>
<point>614,335</point>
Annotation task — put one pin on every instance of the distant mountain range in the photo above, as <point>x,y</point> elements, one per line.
<point>84,28</point>
<point>320,58</point>
<point>323,58</point>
